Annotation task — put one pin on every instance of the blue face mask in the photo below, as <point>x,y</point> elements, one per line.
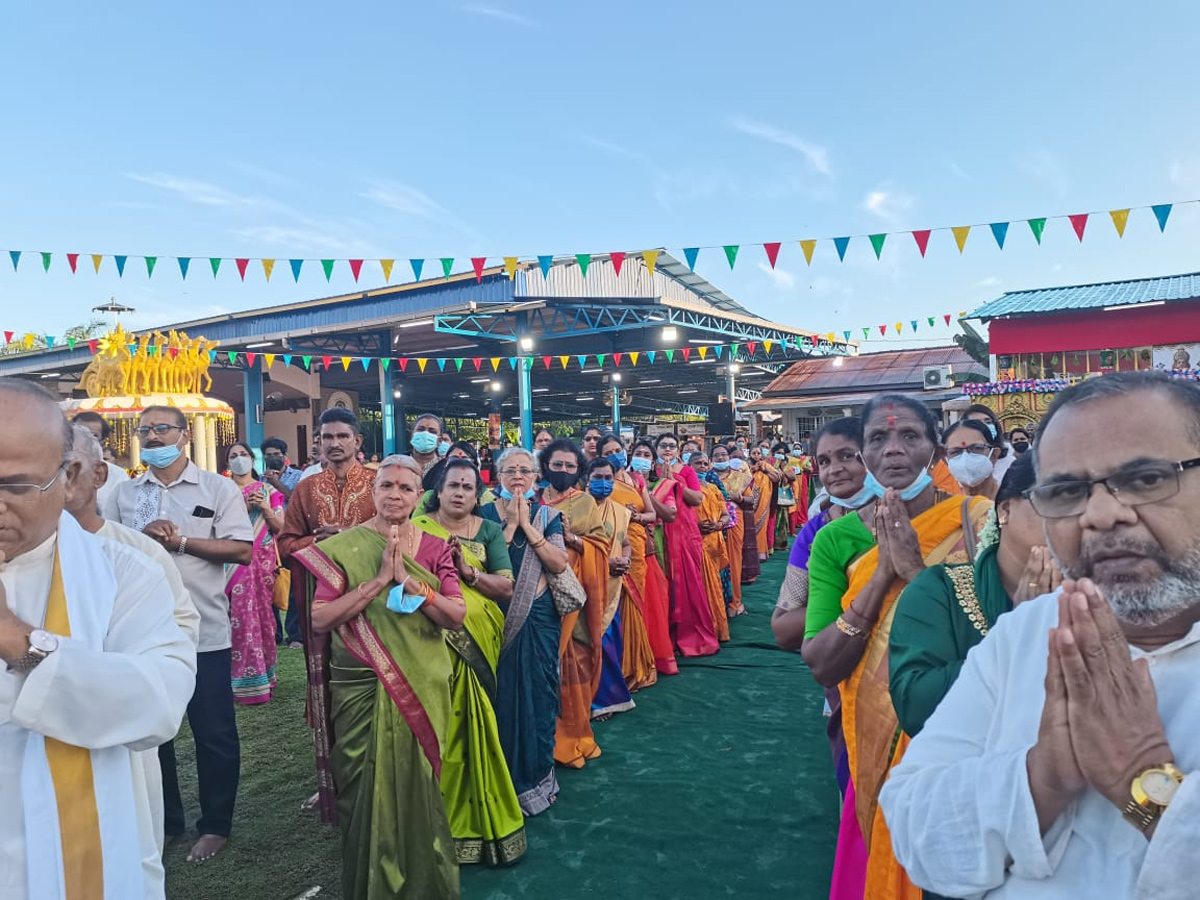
<point>400,601</point>
<point>424,441</point>
<point>599,488</point>
<point>736,464</point>
<point>443,449</point>
<point>618,460</point>
<point>781,456</point>
<point>922,481</point>
<point>721,466</point>
<point>640,464</point>
<point>661,461</point>
<point>160,457</point>
<point>687,456</point>
<point>506,494</point>
<point>864,496</point>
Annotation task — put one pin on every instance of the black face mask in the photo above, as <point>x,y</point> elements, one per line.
<point>1020,446</point>
<point>562,481</point>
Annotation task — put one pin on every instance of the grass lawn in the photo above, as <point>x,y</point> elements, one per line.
<point>718,785</point>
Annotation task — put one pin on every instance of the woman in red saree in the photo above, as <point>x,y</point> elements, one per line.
<point>380,596</point>
<point>677,488</point>
<point>657,593</point>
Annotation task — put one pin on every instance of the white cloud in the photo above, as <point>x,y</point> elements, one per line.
<point>816,155</point>
<point>782,278</point>
<point>888,205</point>
<point>500,15</point>
<point>989,282</point>
<point>404,199</point>
<point>202,193</point>
<point>299,240</point>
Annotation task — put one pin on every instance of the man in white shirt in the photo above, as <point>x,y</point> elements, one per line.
<point>96,670</point>
<point>201,519</point>
<point>101,430</point>
<point>1065,761</point>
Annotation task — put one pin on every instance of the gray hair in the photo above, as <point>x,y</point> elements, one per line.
<point>516,451</point>
<point>403,461</point>
<point>85,449</point>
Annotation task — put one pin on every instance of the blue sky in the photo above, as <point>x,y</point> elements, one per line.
<point>528,126</point>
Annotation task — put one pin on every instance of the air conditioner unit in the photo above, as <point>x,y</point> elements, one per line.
<point>938,378</point>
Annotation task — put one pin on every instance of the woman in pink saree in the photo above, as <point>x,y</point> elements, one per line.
<point>251,588</point>
<point>676,495</point>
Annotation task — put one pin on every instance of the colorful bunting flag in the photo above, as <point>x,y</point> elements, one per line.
<point>690,254</point>
<point>73,261</point>
<point>650,258</point>
<point>403,363</point>
<point>618,260</point>
<point>999,232</point>
<point>841,243</point>
<point>296,265</point>
<point>1037,226</point>
<point>1079,222</point>
<point>184,262</point>
<point>544,263</point>
<point>650,355</point>
<point>583,260</point>
<point>447,266</point>
<point>327,266</point>
<point>441,363</point>
<point>366,363</point>
<point>214,261</point>
<point>268,360</point>
<point>1119,218</point>
<point>241,267</point>
<point>877,243</point>
<point>633,358</point>
<point>268,266</point>
<point>386,265</point>
<point>617,359</point>
<point>772,252</point>
<point>510,266</point>
<point>1162,212</point>
<point>922,239</point>
<point>563,360</point>
<point>703,351</point>
<point>421,362</point>
<point>417,266</point>
<point>307,360</point>
<point>731,252</point>
<point>355,267</point>
<point>458,361</point>
<point>346,363</point>
<point>477,263</point>
<point>46,263</point>
<point>151,262</point>
<point>15,256</point>
<point>496,364</point>
<point>960,235</point>
<point>808,247</point>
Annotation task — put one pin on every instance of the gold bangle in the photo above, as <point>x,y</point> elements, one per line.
<point>848,629</point>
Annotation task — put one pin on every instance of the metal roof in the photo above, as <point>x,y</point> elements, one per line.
<point>1168,288</point>
<point>897,370</point>
<point>834,401</point>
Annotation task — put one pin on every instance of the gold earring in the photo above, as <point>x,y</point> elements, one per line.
<point>1002,522</point>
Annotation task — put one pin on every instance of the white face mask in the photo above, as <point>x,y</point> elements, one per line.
<point>969,469</point>
<point>241,465</point>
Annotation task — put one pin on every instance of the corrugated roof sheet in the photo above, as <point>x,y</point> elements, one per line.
<point>832,401</point>
<point>1092,296</point>
<point>890,370</point>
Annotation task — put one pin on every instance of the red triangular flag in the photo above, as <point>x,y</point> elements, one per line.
<point>546,360</point>
<point>8,336</point>
<point>355,267</point>
<point>883,329</point>
<point>477,263</point>
<point>92,345</point>
<point>618,260</point>
<point>174,351</point>
<point>772,252</point>
<point>403,362</point>
<point>241,264</point>
<point>922,239</point>
<point>617,358</point>
<point>750,346</point>
<point>325,361</point>
<point>72,261</point>
<point>1079,222</point>
<point>687,351</point>
<point>478,362</point>
<point>947,318</point>
<point>250,357</point>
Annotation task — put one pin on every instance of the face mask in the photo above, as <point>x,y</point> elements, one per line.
<point>922,481</point>
<point>781,456</point>
<point>618,460</point>
<point>864,496</point>
<point>741,445</point>
<point>537,453</point>
<point>661,461</point>
<point>600,489</point>
<point>424,441</point>
<point>991,429</point>
<point>797,453</point>
<point>506,494</point>
<point>241,465</point>
<point>160,457</point>
<point>562,481</point>
<point>736,464</point>
<point>721,466</point>
<point>969,469</point>
<point>640,464</point>
<point>399,601</point>
<point>686,457</point>
<point>1020,446</point>
<point>443,449</point>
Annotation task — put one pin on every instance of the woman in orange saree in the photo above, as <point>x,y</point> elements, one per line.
<point>739,490</point>
<point>588,547</point>
<point>656,595</point>
<point>713,518</point>
<point>858,567</point>
<point>764,482</point>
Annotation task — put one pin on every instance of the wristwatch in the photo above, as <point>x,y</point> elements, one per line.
<point>1150,794</point>
<point>41,644</point>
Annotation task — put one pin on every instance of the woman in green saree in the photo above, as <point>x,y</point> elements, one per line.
<point>379,671</point>
<point>481,803</point>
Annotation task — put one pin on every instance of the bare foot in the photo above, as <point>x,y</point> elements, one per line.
<point>311,802</point>
<point>208,846</point>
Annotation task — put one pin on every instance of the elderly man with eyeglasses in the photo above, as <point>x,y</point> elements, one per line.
<point>200,518</point>
<point>1065,761</point>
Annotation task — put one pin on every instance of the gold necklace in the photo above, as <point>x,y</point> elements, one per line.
<point>437,517</point>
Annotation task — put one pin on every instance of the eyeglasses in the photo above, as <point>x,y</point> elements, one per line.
<point>667,445</point>
<point>521,471</point>
<point>160,430</point>
<point>1136,486</point>
<point>27,491</point>
<point>561,466</point>
<point>977,449</point>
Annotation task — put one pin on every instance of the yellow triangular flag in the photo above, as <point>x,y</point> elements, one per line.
<point>386,265</point>
<point>808,247</point>
<point>899,327</point>
<point>634,356</point>
<point>29,339</point>
<point>703,352</point>
<point>563,360</point>
<point>268,267</point>
<point>495,363</point>
<point>269,358</point>
<point>651,258</point>
<point>767,345</point>
<point>421,361</point>
<point>830,337</point>
<point>97,258</point>
<point>1119,217</point>
<point>960,235</point>
<point>510,266</point>
<point>346,363</point>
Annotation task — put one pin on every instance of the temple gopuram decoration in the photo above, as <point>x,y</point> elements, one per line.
<point>131,372</point>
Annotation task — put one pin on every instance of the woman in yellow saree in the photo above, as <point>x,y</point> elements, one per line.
<point>858,567</point>
<point>380,596</point>
<point>713,517</point>
<point>588,548</point>
<point>766,479</point>
<point>481,803</point>
<point>739,488</point>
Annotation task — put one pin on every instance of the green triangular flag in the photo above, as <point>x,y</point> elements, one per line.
<point>670,355</point>
<point>46,261</point>
<point>734,348</point>
<point>447,265</point>
<point>232,357</point>
<point>215,262</point>
<point>151,262</point>
<point>584,260</point>
<point>152,350</point>
<point>731,251</point>
<point>600,357</point>
<point>931,321</point>
<point>385,361</point>
<point>458,363</point>
<point>327,265</point>
<point>877,243</point>
<point>1037,226</point>
<point>71,343</point>
<point>307,361</point>
<point>866,334</point>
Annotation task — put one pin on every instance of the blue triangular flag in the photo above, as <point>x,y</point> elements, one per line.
<point>545,262</point>
<point>417,266</point>
<point>650,354</point>
<point>690,254</point>
<point>366,363</point>
<point>1161,212</point>
<point>846,334</point>
<point>720,349</point>
<point>49,341</point>
<point>582,361</point>
<point>841,243</point>
<point>296,265</point>
<point>441,364</point>
<point>212,355</point>
<point>16,257</point>
<point>184,262</point>
<point>999,232</point>
<point>120,261</point>
<point>287,359</point>
<point>512,363</point>
<point>914,324</point>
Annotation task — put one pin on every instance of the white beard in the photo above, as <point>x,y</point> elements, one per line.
<point>1147,604</point>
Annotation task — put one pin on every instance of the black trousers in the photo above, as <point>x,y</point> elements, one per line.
<point>218,751</point>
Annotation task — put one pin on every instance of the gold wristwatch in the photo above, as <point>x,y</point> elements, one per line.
<point>1150,794</point>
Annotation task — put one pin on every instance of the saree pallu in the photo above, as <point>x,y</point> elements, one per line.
<point>637,657</point>
<point>735,538</point>
<point>582,633</point>
<point>481,803</point>
<point>250,590</point>
<point>763,520</point>
<point>691,615</point>
<point>388,714</point>
<point>874,741</point>
<point>715,559</point>
<point>612,693</point>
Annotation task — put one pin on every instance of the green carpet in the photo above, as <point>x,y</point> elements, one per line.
<point>718,785</point>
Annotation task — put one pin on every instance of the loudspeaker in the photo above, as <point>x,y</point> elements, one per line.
<point>720,418</point>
